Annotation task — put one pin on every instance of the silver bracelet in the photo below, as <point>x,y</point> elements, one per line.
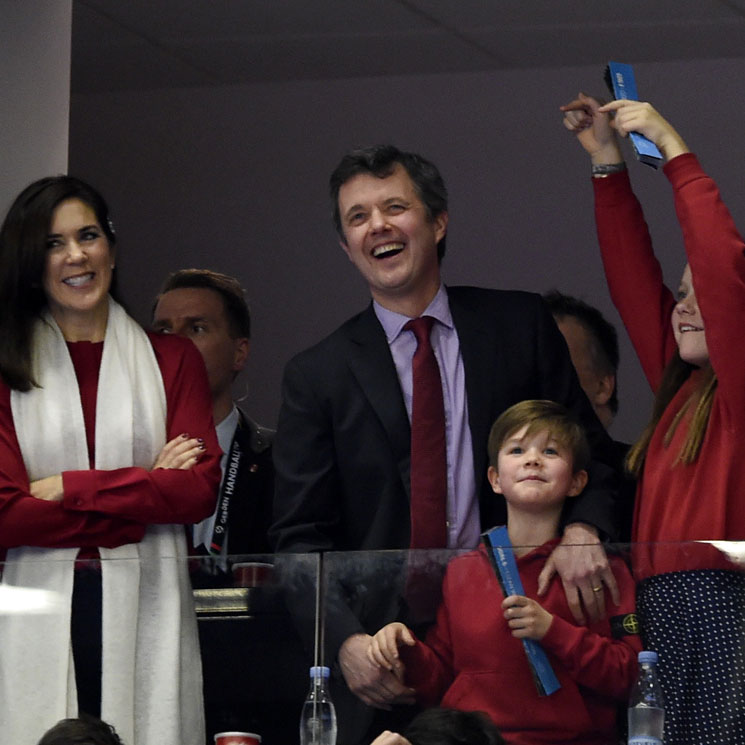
<point>601,170</point>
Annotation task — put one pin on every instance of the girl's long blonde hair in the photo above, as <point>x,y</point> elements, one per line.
<point>701,398</point>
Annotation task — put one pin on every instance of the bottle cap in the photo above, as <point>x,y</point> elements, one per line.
<point>321,672</point>
<point>648,656</point>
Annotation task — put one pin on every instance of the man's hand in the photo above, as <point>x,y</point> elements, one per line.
<point>180,453</point>
<point>374,685</point>
<point>50,489</point>
<point>526,618</point>
<point>581,563</point>
<point>390,738</point>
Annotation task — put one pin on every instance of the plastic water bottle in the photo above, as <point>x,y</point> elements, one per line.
<point>646,706</point>
<point>318,719</point>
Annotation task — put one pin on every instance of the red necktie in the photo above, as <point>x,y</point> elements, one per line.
<point>428,459</point>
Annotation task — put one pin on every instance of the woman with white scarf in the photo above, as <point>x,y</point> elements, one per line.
<point>107,448</point>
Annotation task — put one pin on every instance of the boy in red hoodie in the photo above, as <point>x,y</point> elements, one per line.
<point>473,658</point>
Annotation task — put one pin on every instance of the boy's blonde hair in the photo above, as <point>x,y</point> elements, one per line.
<point>539,415</point>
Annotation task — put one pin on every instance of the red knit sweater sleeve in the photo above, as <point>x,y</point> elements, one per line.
<point>633,273</point>
<point>429,665</point>
<point>716,253</point>
<point>129,497</point>
<point>592,656</point>
<point>26,521</point>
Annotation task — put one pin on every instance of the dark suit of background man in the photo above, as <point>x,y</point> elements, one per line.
<point>342,449</point>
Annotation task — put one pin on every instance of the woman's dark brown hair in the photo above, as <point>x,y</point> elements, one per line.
<point>23,249</point>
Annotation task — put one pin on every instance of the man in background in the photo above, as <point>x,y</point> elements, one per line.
<point>210,309</point>
<point>593,347</point>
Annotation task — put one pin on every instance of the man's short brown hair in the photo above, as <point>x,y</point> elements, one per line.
<point>227,287</point>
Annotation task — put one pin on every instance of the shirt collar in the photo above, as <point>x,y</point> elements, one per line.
<point>226,429</point>
<point>393,323</point>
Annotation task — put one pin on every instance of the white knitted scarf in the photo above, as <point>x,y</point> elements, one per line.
<point>151,679</point>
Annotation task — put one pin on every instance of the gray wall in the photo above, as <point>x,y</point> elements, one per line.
<point>235,179</point>
<point>34,91</point>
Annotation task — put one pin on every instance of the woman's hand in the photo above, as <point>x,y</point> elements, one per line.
<point>642,117</point>
<point>50,489</point>
<point>526,618</point>
<point>588,119</point>
<point>180,453</point>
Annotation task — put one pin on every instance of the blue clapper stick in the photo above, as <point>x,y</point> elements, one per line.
<point>499,549</point>
<point>624,86</point>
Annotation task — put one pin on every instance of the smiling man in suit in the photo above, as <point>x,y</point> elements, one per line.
<point>344,451</point>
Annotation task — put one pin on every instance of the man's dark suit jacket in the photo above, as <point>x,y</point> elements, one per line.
<point>342,447</point>
<point>250,512</point>
<point>252,666</point>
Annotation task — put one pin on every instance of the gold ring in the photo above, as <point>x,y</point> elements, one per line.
<point>597,589</point>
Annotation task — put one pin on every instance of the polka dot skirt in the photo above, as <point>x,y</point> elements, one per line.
<point>695,620</point>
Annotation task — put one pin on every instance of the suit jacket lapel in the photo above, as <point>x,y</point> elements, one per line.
<point>372,365</point>
<point>481,363</point>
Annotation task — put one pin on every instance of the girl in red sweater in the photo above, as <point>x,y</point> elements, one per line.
<point>691,596</point>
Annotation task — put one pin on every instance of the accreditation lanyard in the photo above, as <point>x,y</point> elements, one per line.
<point>227,488</point>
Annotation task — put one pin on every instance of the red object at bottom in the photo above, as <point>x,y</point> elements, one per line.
<point>237,738</point>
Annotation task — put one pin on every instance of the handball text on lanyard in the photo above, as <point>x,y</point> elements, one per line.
<point>227,487</point>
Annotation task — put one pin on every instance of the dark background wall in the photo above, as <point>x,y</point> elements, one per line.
<point>234,178</point>
<point>35,38</point>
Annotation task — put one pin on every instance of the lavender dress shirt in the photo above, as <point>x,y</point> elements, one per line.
<point>462,509</point>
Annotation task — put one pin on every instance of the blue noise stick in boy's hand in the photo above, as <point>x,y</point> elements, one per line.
<point>499,550</point>
<point>620,79</point>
